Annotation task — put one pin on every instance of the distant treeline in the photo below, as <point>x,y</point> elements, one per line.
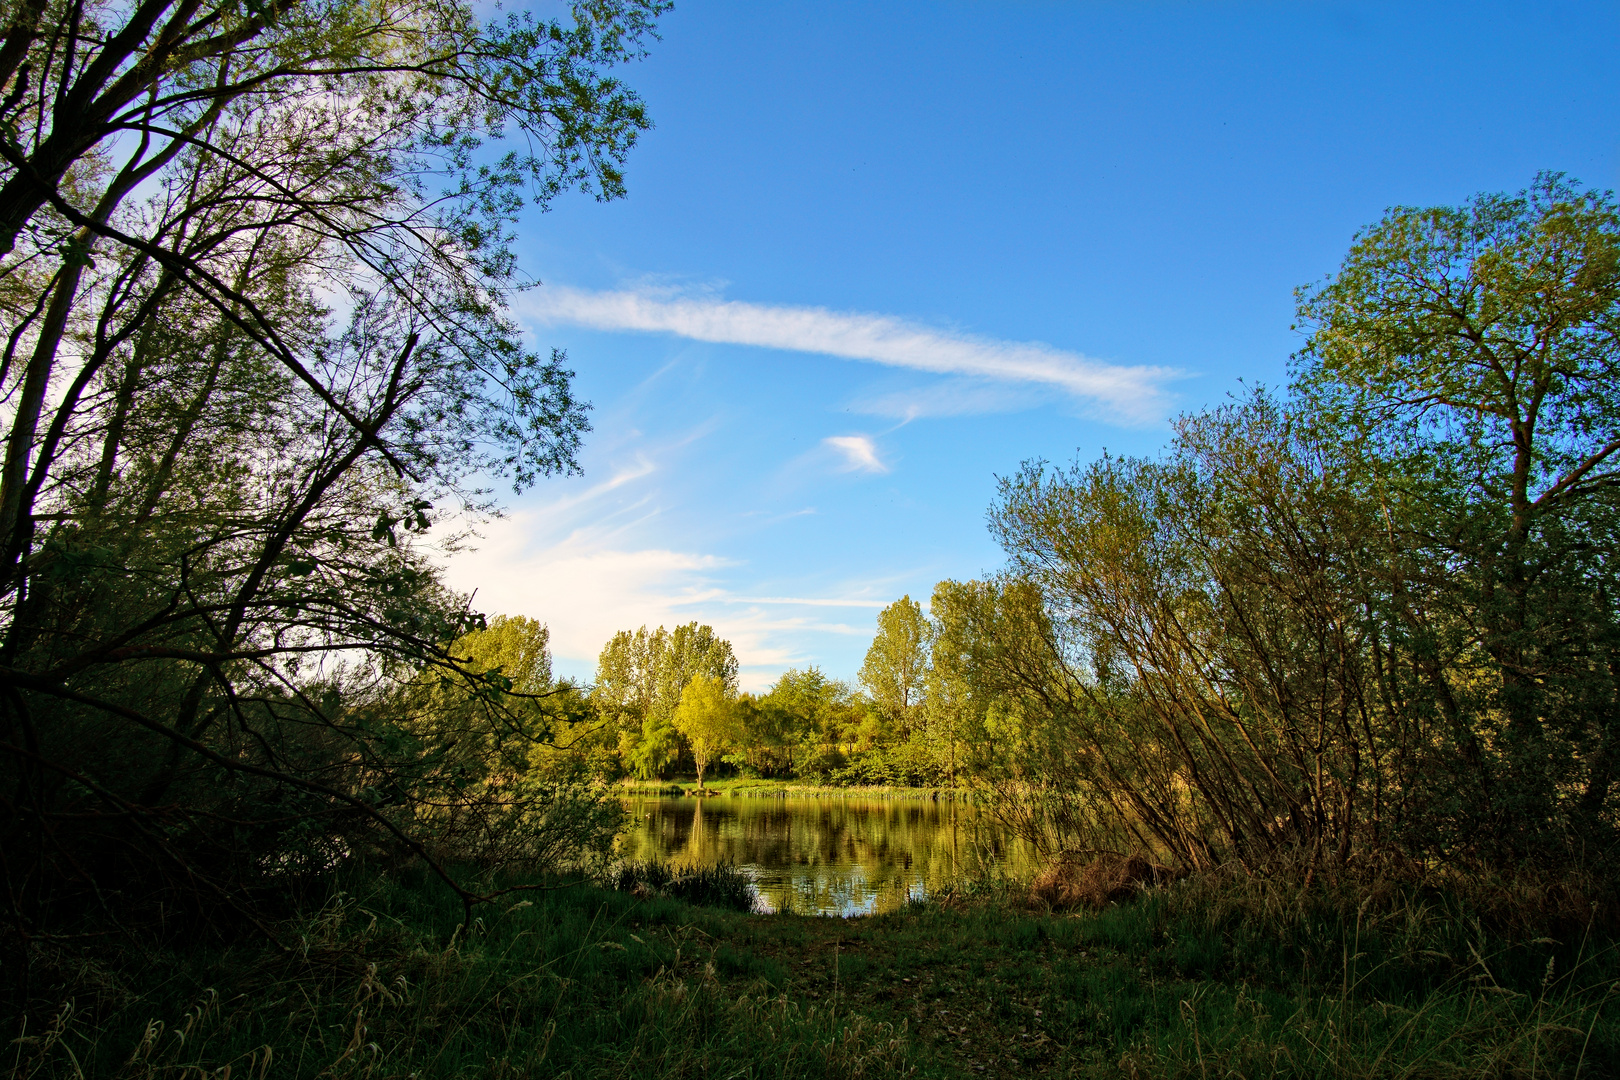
<point>666,702</point>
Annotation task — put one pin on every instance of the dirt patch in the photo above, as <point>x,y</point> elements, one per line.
<point>1095,880</point>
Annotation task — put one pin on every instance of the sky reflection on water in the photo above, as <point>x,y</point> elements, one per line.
<point>826,856</point>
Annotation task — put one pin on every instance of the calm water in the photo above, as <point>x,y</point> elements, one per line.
<point>827,856</point>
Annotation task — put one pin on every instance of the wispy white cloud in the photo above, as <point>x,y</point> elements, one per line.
<point>949,397</point>
<point>859,452</point>
<point>621,477</point>
<point>1130,394</point>
<point>801,601</point>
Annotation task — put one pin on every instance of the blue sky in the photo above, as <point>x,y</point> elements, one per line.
<point>875,255</point>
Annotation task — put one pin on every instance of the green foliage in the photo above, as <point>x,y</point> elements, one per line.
<point>818,715</point>
<point>1474,353</point>
<point>255,266</point>
<point>640,677</point>
<point>707,719</point>
<point>501,742</point>
<point>896,666</point>
<point>906,764</point>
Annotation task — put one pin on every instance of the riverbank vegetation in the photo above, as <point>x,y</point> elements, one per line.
<point>1334,680</point>
<point>754,787</point>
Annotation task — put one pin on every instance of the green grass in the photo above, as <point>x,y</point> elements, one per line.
<point>587,983</point>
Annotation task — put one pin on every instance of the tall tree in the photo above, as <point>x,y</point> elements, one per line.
<point>706,716</point>
<point>517,648</point>
<point>640,678</point>
<point>626,687</point>
<point>895,671</point>
<point>253,267</point>
<point>1475,351</point>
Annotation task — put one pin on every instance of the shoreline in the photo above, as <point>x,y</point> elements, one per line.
<point>783,789</point>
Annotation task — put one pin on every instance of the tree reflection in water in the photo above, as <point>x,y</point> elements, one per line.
<point>828,856</point>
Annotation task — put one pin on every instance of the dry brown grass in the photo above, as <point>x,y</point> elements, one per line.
<point>1095,880</point>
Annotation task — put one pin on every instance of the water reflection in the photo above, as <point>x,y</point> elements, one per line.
<point>826,856</point>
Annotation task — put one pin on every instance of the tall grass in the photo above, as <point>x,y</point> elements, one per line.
<point>1214,976</point>
<point>722,886</point>
<point>577,981</point>
<point>1270,979</point>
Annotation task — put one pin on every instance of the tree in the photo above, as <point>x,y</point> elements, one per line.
<point>253,265</point>
<point>1201,646</point>
<point>516,647</point>
<point>1476,351</point>
<point>640,678</point>
<point>692,651</point>
<point>706,717</point>
<point>954,701</point>
<point>816,714</point>
<point>765,738</point>
<point>1014,720</point>
<point>503,789</point>
<point>1375,620</point>
<point>895,672</point>
<point>223,106</point>
<point>542,719</point>
<point>626,685</point>
<point>88,83</point>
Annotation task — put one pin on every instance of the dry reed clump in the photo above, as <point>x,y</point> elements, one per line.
<point>1096,879</point>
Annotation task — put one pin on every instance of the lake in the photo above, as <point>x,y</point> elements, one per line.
<point>827,856</point>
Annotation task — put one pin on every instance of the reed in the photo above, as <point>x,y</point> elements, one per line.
<point>722,886</point>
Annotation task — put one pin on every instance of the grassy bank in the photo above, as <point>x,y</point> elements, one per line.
<point>585,982</point>
<point>741,787</point>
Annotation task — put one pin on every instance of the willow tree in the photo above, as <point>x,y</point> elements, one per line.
<point>253,267</point>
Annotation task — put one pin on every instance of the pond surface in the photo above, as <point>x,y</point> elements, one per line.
<point>827,856</point>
